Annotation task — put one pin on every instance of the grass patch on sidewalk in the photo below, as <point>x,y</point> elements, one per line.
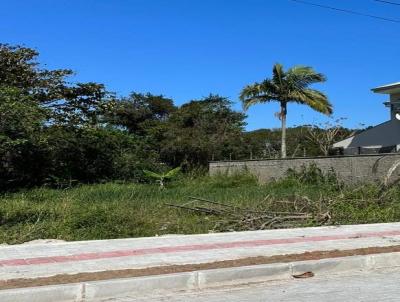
<point>114,210</point>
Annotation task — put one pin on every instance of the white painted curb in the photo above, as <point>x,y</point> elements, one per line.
<point>88,291</point>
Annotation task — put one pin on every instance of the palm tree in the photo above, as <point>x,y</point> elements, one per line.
<point>285,87</point>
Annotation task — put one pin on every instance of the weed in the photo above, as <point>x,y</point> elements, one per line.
<point>113,210</point>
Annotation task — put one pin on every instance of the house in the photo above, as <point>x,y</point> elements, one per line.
<point>383,138</point>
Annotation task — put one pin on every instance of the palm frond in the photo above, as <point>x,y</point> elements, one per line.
<point>250,91</point>
<point>317,100</point>
<point>172,172</point>
<point>303,76</point>
<point>257,93</point>
<point>152,174</point>
<point>278,74</point>
<point>289,86</point>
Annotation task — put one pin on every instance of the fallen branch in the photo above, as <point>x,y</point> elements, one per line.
<point>294,213</point>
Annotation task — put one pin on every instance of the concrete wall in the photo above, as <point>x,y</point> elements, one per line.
<point>353,169</point>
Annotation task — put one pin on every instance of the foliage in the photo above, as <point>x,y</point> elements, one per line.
<point>96,155</point>
<point>161,177</point>
<point>21,143</point>
<point>265,143</point>
<point>20,69</point>
<point>56,132</point>
<point>202,130</point>
<point>82,105</point>
<point>139,113</point>
<point>113,210</point>
<point>312,175</point>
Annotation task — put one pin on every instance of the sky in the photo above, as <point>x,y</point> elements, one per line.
<point>187,49</point>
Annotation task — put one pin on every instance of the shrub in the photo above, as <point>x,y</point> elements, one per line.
<point>312,174</point>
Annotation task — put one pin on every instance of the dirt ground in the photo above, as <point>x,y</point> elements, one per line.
<point>127,273</point>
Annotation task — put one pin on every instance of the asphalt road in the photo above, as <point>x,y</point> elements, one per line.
<point>375,286</point>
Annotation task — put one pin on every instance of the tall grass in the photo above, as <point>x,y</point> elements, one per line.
<point>114,210</point>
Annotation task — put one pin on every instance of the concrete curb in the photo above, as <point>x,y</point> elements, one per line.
<point>89,291</point>
<point>59,293</point>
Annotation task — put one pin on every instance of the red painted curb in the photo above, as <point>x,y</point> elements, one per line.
<point>186,248</point>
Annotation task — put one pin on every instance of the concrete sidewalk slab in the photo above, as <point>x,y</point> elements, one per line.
<point>196,281</point>
<point>44,260</point>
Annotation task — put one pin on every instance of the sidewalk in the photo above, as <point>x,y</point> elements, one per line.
<point>47,260</point>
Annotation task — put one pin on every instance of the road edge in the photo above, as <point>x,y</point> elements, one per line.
<point>196,280</point>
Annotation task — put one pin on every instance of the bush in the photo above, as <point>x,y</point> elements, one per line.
<point>97,155</point>
<point>312,174</point>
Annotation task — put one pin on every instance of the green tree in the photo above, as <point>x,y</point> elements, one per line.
<point>20,69</point>
<point>67,104</point>
<point>140,113</point>
<point>52,131</point>
<point>201,130</point>
<point>84,104</point>
<point>285,87</point>
<point>21,142</point>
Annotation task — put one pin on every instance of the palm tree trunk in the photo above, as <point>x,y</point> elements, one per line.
<point>283,122</point>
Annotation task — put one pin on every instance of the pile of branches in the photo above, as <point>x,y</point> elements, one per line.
<point>270,214</point>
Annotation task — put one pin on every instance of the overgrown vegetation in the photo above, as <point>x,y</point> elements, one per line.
<point>58,133</point>
<point>77,162</point>
<point>118,210</point>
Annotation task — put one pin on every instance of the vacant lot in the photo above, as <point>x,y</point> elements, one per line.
<point>114,210</point>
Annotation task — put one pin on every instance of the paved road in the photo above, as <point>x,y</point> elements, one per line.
<point>369,287</point>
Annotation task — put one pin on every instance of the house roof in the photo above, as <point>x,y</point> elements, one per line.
<point>388,89</point>
<point>382,135</point>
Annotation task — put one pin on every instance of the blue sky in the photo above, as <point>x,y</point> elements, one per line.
<point>186,49</point>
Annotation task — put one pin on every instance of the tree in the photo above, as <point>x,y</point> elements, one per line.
<point>139,113</point>
<point>325,134</point>
<point>20,69</point>
<point>56,132</point>
<point>76,105</point>
<point>21,141</point>
<point>84,104</point>
<point>201,130</point>
<point>286,87</point>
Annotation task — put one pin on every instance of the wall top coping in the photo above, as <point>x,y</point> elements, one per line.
<point>315,157</point>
